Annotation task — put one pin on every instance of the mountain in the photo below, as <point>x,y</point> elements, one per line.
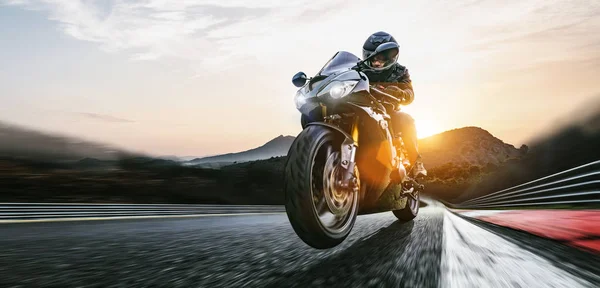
<point>573,142</point>
<point>470,146</point>
<point>279,146</point>
<point>18,142</point>
<point>170,158</point>
<point>187,158</point>
<point>458,159</point>
<point>455,160</point>
<point>451,158</point>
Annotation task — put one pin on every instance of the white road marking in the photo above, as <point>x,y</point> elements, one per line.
<point>479,213</point>
<point>474,257</point>
<point>43,220</point>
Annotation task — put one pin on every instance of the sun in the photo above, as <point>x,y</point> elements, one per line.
<point>426,128</point>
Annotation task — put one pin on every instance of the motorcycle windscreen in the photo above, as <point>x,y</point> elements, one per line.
<point>341,61</point>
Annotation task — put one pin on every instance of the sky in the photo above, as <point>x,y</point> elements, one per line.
<point>193,78</point>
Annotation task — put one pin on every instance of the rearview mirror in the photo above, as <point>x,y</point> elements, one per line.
<point>299,79</point>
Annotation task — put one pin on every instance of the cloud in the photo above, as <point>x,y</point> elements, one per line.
<point>219,35</point>
<point>176,29</point>
<point>106,118</point>
<point>558,29</point>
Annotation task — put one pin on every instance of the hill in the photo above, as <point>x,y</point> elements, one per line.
<point>19,142</point>
<point>278,146</point>
<point>574,142</point>
<point>68,171</point>
<point>471,146</point>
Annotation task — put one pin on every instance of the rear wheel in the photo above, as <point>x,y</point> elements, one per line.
<point>321,214</point>
<point>410,211</point>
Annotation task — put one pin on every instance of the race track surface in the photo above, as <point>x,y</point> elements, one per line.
<point>437,249</point>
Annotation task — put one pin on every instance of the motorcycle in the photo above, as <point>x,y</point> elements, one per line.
<point>347,161</point>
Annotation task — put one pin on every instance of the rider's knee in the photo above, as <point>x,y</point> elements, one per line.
<point>402,119</point>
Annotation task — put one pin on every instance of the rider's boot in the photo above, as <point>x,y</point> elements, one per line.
<point>418,169</point>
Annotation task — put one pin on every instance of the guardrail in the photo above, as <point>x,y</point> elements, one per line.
<point>15,211</point>
<point>579,185</point>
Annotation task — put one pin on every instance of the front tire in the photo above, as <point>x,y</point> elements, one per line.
<point>312,160</point>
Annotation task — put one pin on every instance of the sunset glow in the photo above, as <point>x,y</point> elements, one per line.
<point>427,127</point>
<point>211,77</point>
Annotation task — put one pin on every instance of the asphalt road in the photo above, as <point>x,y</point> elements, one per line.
<point>437,249</point>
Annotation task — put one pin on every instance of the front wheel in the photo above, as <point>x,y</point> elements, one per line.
<point>321,214</point>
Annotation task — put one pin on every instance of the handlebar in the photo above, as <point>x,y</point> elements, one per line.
<point>395,101</point>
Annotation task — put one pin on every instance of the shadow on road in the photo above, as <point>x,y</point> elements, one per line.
<point>388,256</point>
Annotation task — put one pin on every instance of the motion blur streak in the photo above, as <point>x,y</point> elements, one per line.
<point>478,258</point>
<point>578,228</point>
<point>436,249</point>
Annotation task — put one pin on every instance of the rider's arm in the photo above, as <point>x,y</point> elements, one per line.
<point>402,89</point>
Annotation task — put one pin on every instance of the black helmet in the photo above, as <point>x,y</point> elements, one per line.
<point>375,40</point>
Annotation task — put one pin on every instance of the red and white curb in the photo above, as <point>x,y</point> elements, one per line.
<point>578,228</point>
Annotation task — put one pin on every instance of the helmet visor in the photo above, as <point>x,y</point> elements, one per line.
<point>383,60</point>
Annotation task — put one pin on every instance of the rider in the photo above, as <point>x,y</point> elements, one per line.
<point>384,72</point>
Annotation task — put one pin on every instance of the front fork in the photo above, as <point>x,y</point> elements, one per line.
<point>348,162</point>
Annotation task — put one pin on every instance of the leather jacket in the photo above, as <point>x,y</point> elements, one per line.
<point>396,81</point>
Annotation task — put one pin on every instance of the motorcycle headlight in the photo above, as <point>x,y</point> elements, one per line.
<point>299,99</point>
<point>338,89</point>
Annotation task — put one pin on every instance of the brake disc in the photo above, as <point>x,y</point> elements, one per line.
<point>339,201</point>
